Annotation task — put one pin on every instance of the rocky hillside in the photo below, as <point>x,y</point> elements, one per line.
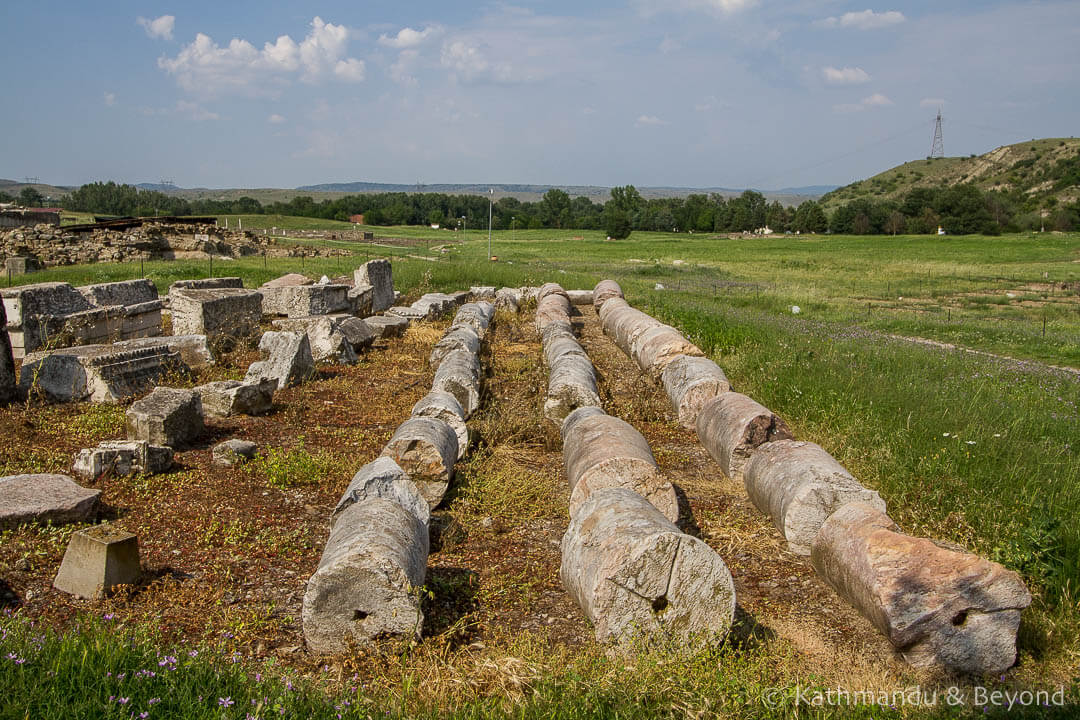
<point>1033,172</point>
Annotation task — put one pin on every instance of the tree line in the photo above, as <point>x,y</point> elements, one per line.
<point>960,209</point>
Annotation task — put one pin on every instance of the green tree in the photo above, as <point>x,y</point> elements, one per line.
<point>30,197</point>
<point>555,207</point>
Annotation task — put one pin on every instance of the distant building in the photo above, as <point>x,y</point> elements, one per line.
<point>358,219</point>
<point>29,217</point>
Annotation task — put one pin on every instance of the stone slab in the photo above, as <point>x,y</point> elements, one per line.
<point>98,373</point>
<point>97,560</point>
<point>167,416</point>
<point>42,498</point>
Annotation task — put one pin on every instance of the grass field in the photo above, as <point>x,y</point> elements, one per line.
<point>975,449</point>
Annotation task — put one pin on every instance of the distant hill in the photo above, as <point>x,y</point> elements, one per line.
<point>1037,168</point>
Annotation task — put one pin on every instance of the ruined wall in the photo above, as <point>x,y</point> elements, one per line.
<point>153,241</point>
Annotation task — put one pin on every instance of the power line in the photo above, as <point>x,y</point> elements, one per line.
<point>937,145</point>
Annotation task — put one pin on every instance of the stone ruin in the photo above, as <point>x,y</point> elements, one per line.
<point>56,314</point>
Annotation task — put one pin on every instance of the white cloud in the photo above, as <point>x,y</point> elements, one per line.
<point>409,38</point>
<point>401,71</point>
<point>110,99</point>
<point>350,70</point>
<point>470,65</point>
<point>195,111</point>
<point>845,76</point>
<point>203,67</point>
<point>873,101</point>
<point>864,20</point>
<point>710,103</point>
<point>275,119</point>
<point>649,121</point>
<point>161,27</point>
<point>931,102</point>
<point>714,7</point>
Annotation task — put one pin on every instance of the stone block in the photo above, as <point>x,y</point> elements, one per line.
<point>331,336</point>
<point>207,284</point>
<point>482,292</point>
<point>194,350</point>
<point>9,389</point>
<point>361,300</point>
<point>379,275</point>
<point>22,265</point>
<point>387,326</point>
<point>122,457</point>
<point>217,313</point>
<point>167,416</point>
<point>98,373</point>
<point>97,561</point>
<point>287,359</point>
<point>407,312</point>
<point>234,452</point>
<point>304,300</point>
<point>126,292</point>
<point>42,498</point>
<point>232,397</point>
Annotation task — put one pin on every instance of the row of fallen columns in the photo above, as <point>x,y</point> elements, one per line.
<point>634,574</point>
<point>374,563</point>
<point>936,603</point>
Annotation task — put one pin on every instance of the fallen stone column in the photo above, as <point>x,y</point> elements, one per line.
<point>382,478</point>
<point>690,382</point>
<point>731,426</point>
<point>571,385</point>
<point>657,347</point>
<point>387,326</point>
<point>458,337</point>
<point>426,449</point>
<point>550,289</point>
<point>601,451</point>
<point>477,316</point>
<point>799,486</point>
<point>635,574</point>
<point>369,576</point>
<point>937,605</point>
<point>459,375</point>
<point>557,342</point>
<point>508,299</point>
<point>604,291</point>
<point>625,325</point>
<point>482,292</point>
<point>443,406</point>
<point>580,297</point>
<point>554,308</point>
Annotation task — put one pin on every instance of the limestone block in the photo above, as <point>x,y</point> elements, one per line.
<point>379,275</point>
<point>125,292</point>
<point>194,350</point>
<point>207,284</point>
<point>98,373</point>
<point>97,560</point>
<point>288,359</point>
<point>44,498</point>
<point>361,300</point>
<point>216,313</point>
<point>122,457</point>
<point>327,344</point>
<point>580,297</point>
<point>233,452</point>
<point>304,300</point>
<point>225,398</point>
<point>9,388</point>
<point>387,326</point>
<point>482,292</point>
<point>167,416</point>
<point>657,347</point>
<point>508,299</point>
<point>571,385</point>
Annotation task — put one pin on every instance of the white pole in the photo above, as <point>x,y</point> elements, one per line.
<point>491,204</point>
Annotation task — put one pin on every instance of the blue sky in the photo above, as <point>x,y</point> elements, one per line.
<point>731,93</point>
